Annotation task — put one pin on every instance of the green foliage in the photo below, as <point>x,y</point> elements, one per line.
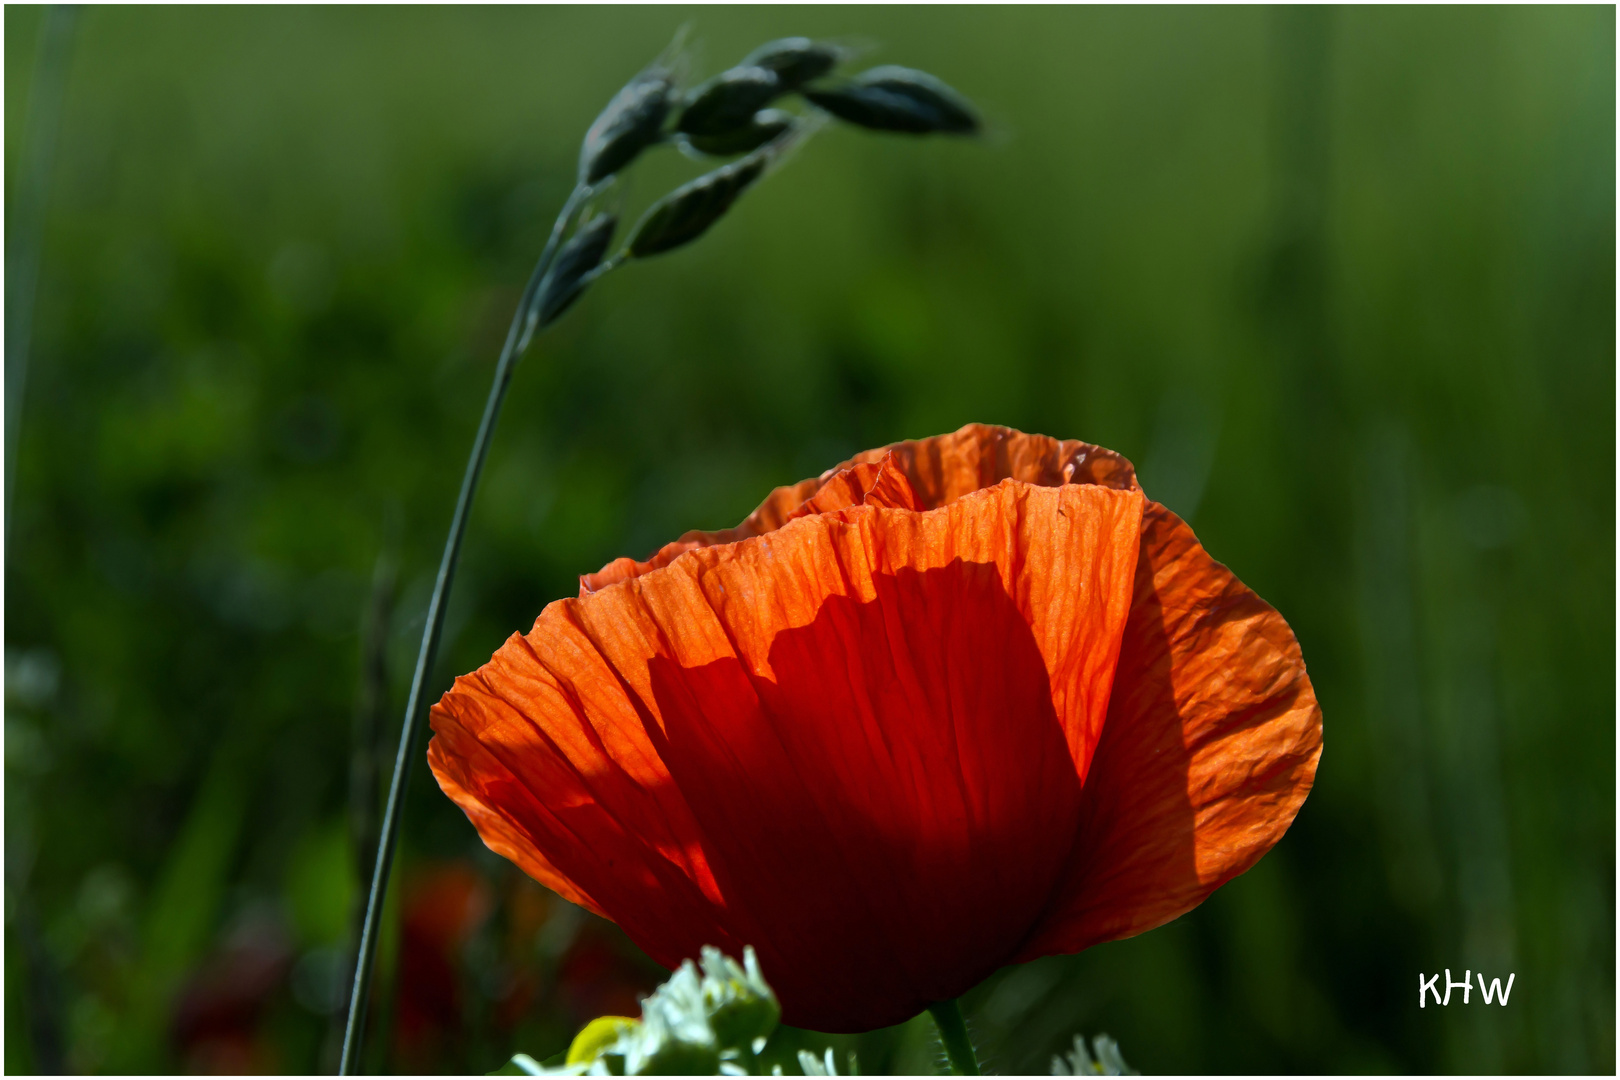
<point>320,885</point>
<point>1340,281</point>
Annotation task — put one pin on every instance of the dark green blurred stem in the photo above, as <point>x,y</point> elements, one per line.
<point>365,757</point>
<point>954,1034</point>
<point>517,339</point>
<point>44,997</point>
<point>26,215</point>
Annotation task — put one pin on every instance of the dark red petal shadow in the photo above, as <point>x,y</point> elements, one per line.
<point>888,815</point>
<point>684,751</point>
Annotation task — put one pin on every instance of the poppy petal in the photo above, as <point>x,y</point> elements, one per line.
<point>1210,747</point>
<point>938,470</point>
<point>535,745</point>
<point>877,482</point>
<point>870,726</point>
<point>944,468</point>
<point>866,483</point>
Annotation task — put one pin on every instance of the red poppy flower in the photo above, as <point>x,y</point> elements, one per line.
<point>444,905</point>
<point>959,703</point>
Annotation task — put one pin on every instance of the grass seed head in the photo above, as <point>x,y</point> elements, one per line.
<point>728,101</point>
<point>795,60</point>
<point>898,99</point>
<point>632,121</point>
<point>687,212</point>
<point>763,127</point>
<point>570,273</point>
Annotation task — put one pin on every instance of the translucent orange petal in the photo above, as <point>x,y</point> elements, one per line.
<point>944,468</point>
<point>865,732</point>
<point>1210,747</point>
<point>867,483</point>
<point>857,742</point>
<point>938,470</point>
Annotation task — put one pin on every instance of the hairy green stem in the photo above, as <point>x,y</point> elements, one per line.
<point>953,1034</point>
<point>517,339</point>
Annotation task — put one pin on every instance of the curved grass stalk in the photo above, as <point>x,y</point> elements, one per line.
<point>632,122</point>
<point>29,195</point>
<point>518,336</point>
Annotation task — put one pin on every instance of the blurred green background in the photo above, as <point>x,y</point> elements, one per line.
<point>1340,282</point>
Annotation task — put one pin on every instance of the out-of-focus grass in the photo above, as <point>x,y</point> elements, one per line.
<point>1341,282</point>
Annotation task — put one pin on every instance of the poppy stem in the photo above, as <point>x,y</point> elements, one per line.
<point>953,1033</point>
<point>517,339</point>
